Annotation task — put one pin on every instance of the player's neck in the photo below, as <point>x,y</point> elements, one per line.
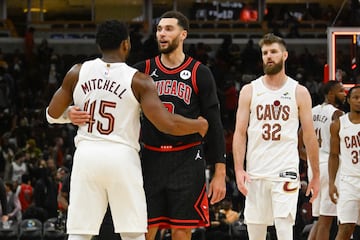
<point>275,81</point>
<point>331,101</point>
<point>112,58</point>
<point>173,59</point>
<point>354,117</point>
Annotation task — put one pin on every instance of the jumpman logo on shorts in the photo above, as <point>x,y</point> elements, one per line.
<point>197,157</point>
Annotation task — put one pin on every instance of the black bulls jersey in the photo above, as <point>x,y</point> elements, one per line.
<point>188,90</point>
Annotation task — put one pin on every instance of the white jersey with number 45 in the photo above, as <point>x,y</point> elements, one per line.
<point>104,91</point>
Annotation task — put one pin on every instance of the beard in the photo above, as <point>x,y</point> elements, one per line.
<point>338,102</point>
<point>171,47</point>
<point>274,69</point>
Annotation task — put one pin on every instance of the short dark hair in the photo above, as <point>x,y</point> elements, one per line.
<point>271,38</point>
<point>110,34</point>
<point>182,20</point>
<point>351,90</point>
<point>330,85</point>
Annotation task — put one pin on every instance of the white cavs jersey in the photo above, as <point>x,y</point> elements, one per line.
<point>272,131</point>
<point>349,134</point>
<point>104,90</point>
<point>322,118</point>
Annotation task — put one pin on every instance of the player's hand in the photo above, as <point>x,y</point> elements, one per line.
<point>333,192</point>
<point>77,116</point>
<point>204,126</point>
<point>241,178</point>
<point>217,188</point>
<point>313,188</point>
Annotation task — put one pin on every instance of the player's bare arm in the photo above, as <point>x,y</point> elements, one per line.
<point>240,138</point>
<point>63,96</point>
<point>334,159</point>
<point>146,93</point>
<point>303,99</point>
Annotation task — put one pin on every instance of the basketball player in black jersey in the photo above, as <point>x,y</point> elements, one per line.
<point>174,167</point>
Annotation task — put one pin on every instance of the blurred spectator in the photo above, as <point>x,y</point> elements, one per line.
<point>150,47</point>
<point>13,203</point>
<point>33,154</point>
<point>29,45</point>
<point>3,202</point>
<point>226,209</point>
<point>46,190</point>
<point>61,175</point>
<point>24,192</point>
<point>18,167</point>
<point>137,50</point>
<point>44,53</point>
<point>191,51</point>
<point>58,152</point>
<point>250,58</point>
<point>63,194</point>
<point>3,63</point>
<point>7,156</point>
<point>6,88</point>
<point>218,228</point>
<point>224,51</point>
<point>201,53</point>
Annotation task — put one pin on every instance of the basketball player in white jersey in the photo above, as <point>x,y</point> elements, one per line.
<point>323,114</point>
<point>106,168</point>
<point>345,148</point>
<point>267,122</point>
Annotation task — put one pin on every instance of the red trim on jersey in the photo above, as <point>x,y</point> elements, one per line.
<point>169,148</point>
<point>147,66</point>
<point>172,71</point>
<point>193,75</point>
<point>202,206</point>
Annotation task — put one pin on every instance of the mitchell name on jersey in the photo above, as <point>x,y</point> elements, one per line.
<point>103,84</point>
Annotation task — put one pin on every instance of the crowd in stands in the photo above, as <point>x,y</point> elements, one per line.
<point>35,156</point>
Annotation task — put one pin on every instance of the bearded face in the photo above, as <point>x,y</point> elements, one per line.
<point>339,100</point>
<point>273,68</point>
<point>169,47</point>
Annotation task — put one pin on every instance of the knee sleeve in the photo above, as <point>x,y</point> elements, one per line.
<point>284,228</point>
<point>257,231</point>
<point>79,237</point>
<point>132,236</point>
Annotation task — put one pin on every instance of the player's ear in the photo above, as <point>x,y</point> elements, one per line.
<point>126,45</point>
<point>285,54</point>
<point>184,34</point>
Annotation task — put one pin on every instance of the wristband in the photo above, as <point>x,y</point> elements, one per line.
<point>62,119</point>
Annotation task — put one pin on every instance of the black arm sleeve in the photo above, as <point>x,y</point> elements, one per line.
<point>214,140</point>
<point>210,109</point>
<point>3,198</point>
